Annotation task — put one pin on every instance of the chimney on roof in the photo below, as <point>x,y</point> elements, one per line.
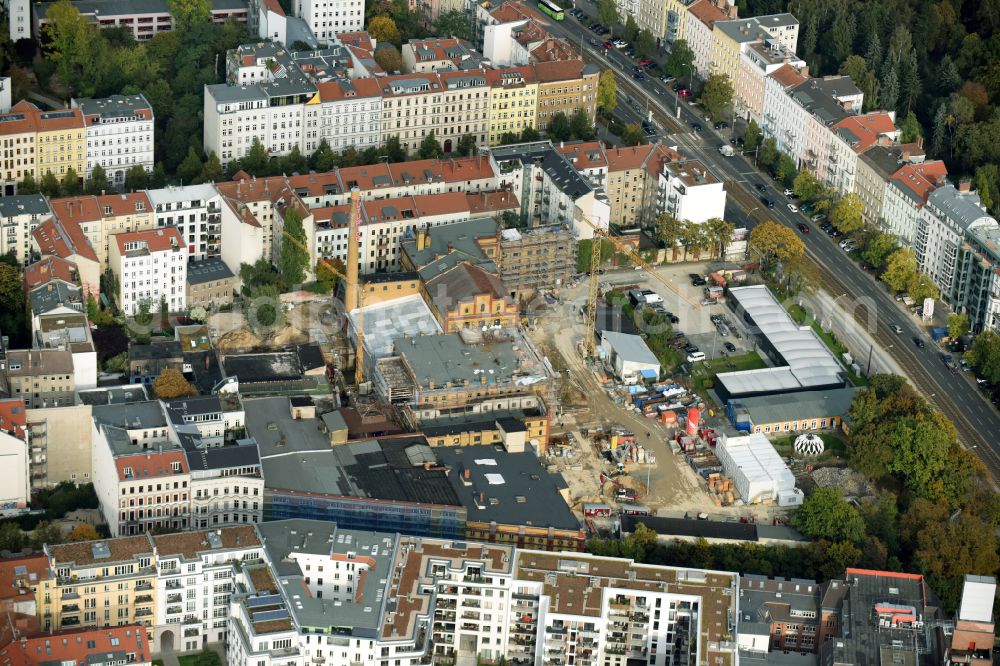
<point>920,142</point>
<point>965,185</point>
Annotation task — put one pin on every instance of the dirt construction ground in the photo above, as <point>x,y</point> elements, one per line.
<point>675,488</point>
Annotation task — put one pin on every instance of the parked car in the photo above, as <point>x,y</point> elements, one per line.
<point>788,192</point>
<point>638,76</point>
<point>647,61</point>
<point>609,45</point>
<point>709,301</point>
<point>803,227</point>
<point>690,349</point>
<point>848,242</point>
<point>683,92</point>
<point>730,347</point>
<point>722,329</point>
<point>792,207</point>
<point>695,357</point>
<point>818,217</point>
<point>721,125</point>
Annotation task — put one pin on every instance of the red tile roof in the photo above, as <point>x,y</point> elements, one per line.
<point>559,70</point>
<point>19,574</point>
<point>48,269</point>
<point>707,13</point>
<point>59,120</point>
<point>274,6</point>
<point>73,647</point>
<point>788,76</point>
<point>124,204</point>
<point>64,240</point>
<point>492,202</point>
<point>151,464</point>
<point>76,209</point>
<point>586,155</point>
<point>515,11</point>
<point>867,128</point>
<point>334,90</point>
<point>553,48</point>
<point>360,39</point>
<point>921,179</point>
<point>157,240</point>
<point>13,418</point>
<point>28,123</point>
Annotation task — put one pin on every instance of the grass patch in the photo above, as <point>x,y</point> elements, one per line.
<point>703,373</point>
<point>835,447</point>
<point>157,662</point>
<point>203,658</point>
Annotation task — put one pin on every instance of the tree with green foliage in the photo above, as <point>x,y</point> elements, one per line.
<point>771,243</point>
<point>958,324</point>
<point>580,125</point>
<point>529,134</point>
<point>680,62</point>
<point>136,178</point>
<point>717,95</point>
<point>12,538</point>
<point>388,58</point>
<point>631,30</point>
<point>752,136</point>
<point>323,158</point>
<point>864,77</point>
<point>923,287</point>
<point>878,249</point>
<point>49,185</point>
<point>825,514</point>
<point>910,130</point>
<point>607,92</point>
<point>718,233</point>
<point>559,127</point>
<point>98,181</point>
<point>28,184</point>
<point>846,214</point>
<point>668,229</point>
<point>211,170</point>
<point>984,355</point>
<point>633,135</point>
<point>328,272</point>
<point>429,147</point>
<point>645,43</point>
<point>383,29</point>
<point>987,184</point>
<point>785,170</point>
<point>768,155</point>
<point>807,187</point>
<point>466,145</point>
<point>585,248</point>
<point>294,162</point>
<point>70,183</point>
<point>607,13</point>
<point>900,269</point>
<point>190,169</point>
<point>294,257</point>
<point>188,13</point>
<point>255,162</point>
<point>452,23</point>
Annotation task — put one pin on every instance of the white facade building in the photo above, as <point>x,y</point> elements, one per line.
<point>349,114</point>
<point>119,134</point>
<point>272,113</point>
<point>689,191</point>
<point>755,467</point>
<point>151,266</point>
<point>15,482</point>
<point>195,211</point>
<point>19,14</point>
<point>19,215</point>
<point>329,18</point>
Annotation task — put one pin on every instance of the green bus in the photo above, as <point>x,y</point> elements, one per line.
<point>552,9</point>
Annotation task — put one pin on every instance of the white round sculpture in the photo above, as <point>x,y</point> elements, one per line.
<point>808,445</point>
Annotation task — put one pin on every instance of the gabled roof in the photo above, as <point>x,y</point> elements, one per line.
<point>80,647</point>
<point>156,240</point>
<point>559,70</point>
<point>64,240</point>
<point>48,269</point>
<point>150,465</point>
<point>707,13</point>
<point>863,131</point>
<point>787,76</point>
<point>917,181</point>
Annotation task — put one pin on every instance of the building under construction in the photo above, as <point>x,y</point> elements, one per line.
<point>536,258</point>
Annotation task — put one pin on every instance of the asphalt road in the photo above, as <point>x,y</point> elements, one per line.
<point>956,395</point>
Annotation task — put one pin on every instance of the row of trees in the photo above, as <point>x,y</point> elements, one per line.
<point>711,234</point>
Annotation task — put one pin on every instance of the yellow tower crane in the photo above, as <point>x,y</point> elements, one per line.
<point>600,234</point>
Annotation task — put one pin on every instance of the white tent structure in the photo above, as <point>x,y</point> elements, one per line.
<point>755,467</point>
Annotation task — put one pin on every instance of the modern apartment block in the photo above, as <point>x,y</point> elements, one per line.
<point>196,212</point>
<point>19,215</point>
<point>329,18</point>
<point>151,268</point>
<point>410,600</point>
<point>175,586</point>
<point>145,21</point>
<point>119,134</point>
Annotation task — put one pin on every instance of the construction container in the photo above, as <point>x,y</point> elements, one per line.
<point>668,417</point>
<point>693,416</point>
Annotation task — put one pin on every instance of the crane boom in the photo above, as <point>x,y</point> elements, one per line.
<point>590,341</point>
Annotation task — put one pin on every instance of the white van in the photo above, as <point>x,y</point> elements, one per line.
<point>696,356</point>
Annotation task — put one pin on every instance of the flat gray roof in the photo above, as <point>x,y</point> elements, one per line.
<point>440,360</point>
<point>24,204</point>
<point>632,348</point>
<point>965,209</point>
<point>798,406</point>
<point>387,322</point>
<point>516,489</point>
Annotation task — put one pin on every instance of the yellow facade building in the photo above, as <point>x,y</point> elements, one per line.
<point>61,143</point>
<point>565,86</point>
<point>513,101</point>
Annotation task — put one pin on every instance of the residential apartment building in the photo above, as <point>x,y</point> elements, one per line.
<point>60,143</point>
<point>632,183</point>
<point>906,193</point>
<point>850,138</point>
<point>730,39</point>
<point>328,18</point>
<point>476,601</point>
<point>19,215</point>
<point>513,101</point>
<point>40,377</point>
<point>151,268</point>
<point>950,217</point>
<point>565,86</point>
<point>676,19</point>
<point>195,211</point>
<point>145,21</point>
<point>349,114</point>
<point>68,242</point>
<point>99,218</point>
<point>757,61</point>
<point>119,131</point>
<point>18,134</point>
<point>874,168</point>
<point>687,190</point>
<point>210,284</point>
<point>177,587</point>
<point>15,481</point>
<point>700,18</point>
<point>432,55</point>
<point>105,647</point>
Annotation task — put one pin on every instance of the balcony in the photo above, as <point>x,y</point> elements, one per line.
<point>191,619</point>
<point>174,599</point>
<point>70,609</point>
<point>143,585</point>
<point>173,610</point>
<point>143,612</point>
<point>144,599</point>
<point>174,584</point>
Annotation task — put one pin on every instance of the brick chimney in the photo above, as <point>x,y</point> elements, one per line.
<point>965,185</point>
